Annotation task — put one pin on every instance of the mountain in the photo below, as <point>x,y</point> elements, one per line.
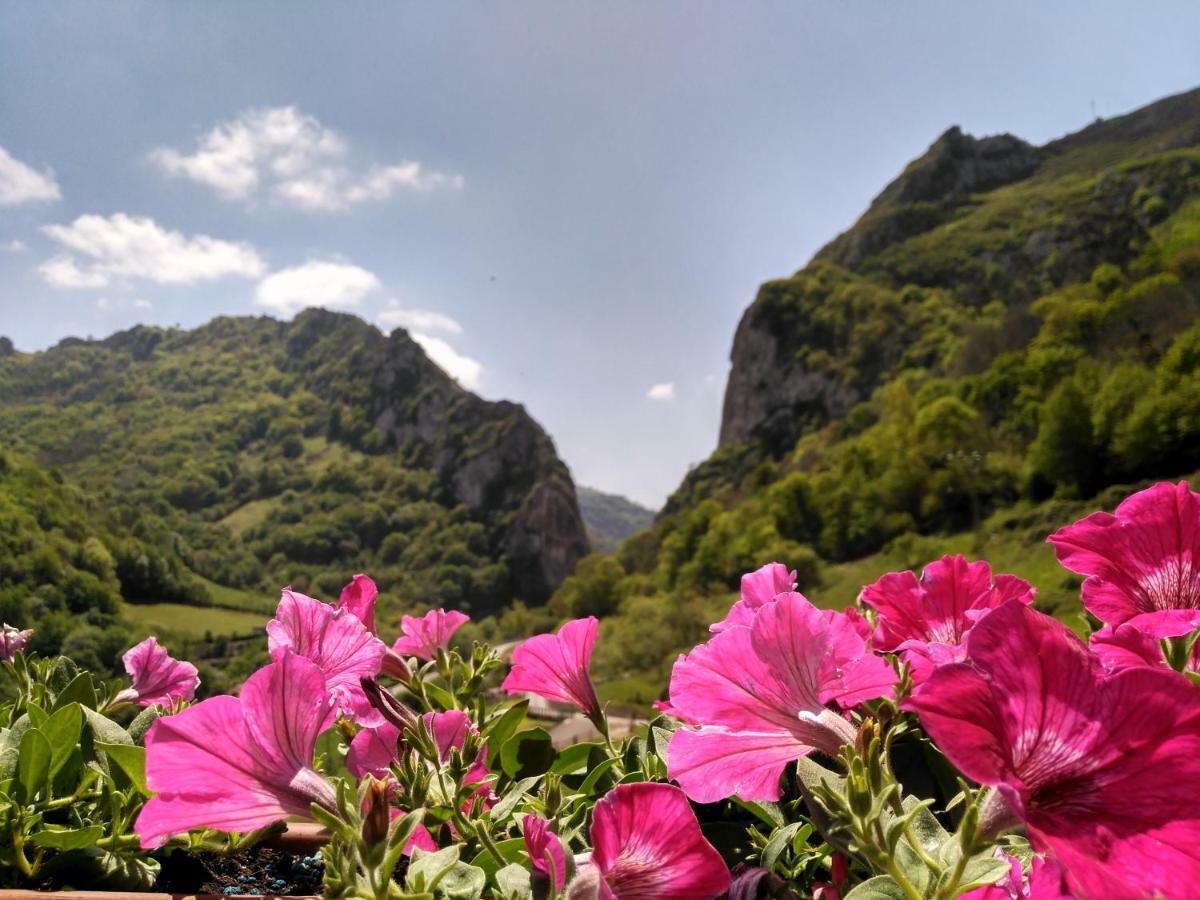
<point>1007,331</point>
<point>610,518</point>
<point>257,453</point>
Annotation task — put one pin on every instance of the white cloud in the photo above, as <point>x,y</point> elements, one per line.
<point>424,320</point>
<point>463,369</point>
<point>662,392</point>
<point>107,304</point>
<point>20,183</point>
<point>123,246</point>
<point>62,272</point>
<point>15,246</point>
<point>294,159</point>
<point>328,284</point>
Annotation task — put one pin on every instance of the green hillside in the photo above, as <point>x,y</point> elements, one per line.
<point>252,453</point>
<point>610,518</point>
<point>1007,332</point>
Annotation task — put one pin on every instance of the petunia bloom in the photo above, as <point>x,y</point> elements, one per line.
<point>1103,769</point>
<point>758,588</point>
<point>158,679</point>
<point>926,620</point>
<point>755,699</point>
<point>359,597</point>
<point>424,636</point>
<point>239,763</point>
<point>13,641</point>
<point>1142,563</point>
<point>546,854</point>
<point>334,639</point>
<point>556,666</point>
<point>647,845</point>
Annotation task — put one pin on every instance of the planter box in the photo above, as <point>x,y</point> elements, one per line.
<point>299,838</point>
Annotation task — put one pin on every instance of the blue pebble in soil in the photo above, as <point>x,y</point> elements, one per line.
<point>232,889</point>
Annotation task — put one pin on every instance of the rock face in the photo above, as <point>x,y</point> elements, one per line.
<point>769,395</point>
<point>492,457</point>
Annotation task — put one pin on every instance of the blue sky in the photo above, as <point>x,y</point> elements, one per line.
<point>571,203</point>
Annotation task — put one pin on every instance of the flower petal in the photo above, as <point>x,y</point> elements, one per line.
<point>647,845</point>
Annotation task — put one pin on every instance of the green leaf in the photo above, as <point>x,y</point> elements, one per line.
<point>105,730</point>
<point>440,694</point>
<point>511,850</point>
<point>81,690</point>
<point>130,760</point>
<point>514,795</point>
<point>514,882</point>
<point>500,729</point>
<point>981,870</point>
<point>102,869</point>
<point>33,765</point>
<point>764,810</point>
<point>527,753</point>
<point>661,739</point>
<point>588,788</point>
<point>68,838</point>
<point>62,730</point>
<point>425,868</point>
<point>574,759</point>
<point>37,716</point>
<point>462,882</point>
<point>778,843</point>
<point>878,888</point>
<point>913,867</point>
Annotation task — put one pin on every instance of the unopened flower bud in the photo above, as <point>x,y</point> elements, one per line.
<point>388,706</point>
<point>376,815</point>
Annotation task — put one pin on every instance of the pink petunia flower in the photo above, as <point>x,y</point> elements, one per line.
<point>337,641</point>
<point>424,636</point>
<point>926,621</point>
<point>158,679</point>
<point>556,666</point>
<point>647,845</point>
<point>546,854</point>
<point>359,597</point>
<point>239,763</point>
<point>758,588</point>
<point>1102,769</point>
<point>13,641</point>
<point>757,697</point>
<point>1142,563</point>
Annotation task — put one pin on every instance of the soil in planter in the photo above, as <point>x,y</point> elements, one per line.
<point>259,870</point>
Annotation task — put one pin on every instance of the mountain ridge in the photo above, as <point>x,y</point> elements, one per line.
<point>286,422</point>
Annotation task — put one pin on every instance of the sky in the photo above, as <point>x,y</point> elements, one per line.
<point>568,204</point>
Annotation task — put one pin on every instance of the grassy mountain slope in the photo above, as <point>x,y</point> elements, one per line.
<point>1006,332</point>
<point>261,453</point>
<point>610,518</point>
